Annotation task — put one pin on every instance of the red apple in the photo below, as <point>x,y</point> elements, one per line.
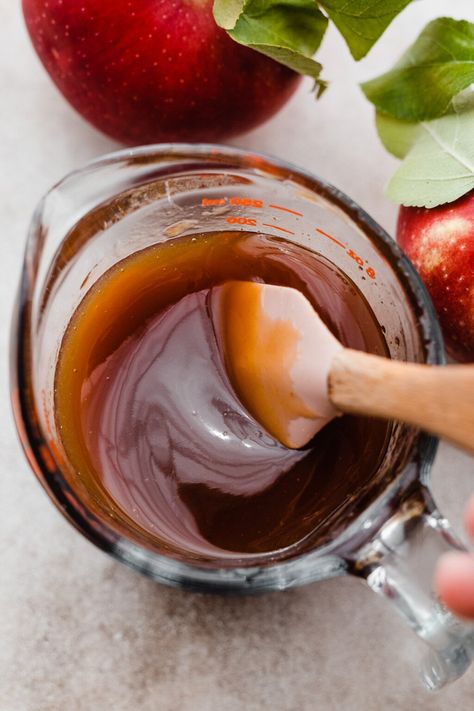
<point>144,71</point>
<point>440,243</point>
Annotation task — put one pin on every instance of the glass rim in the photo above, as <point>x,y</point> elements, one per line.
<point>167,568</point>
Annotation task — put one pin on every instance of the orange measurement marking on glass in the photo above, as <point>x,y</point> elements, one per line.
<point>246,202</point>
<point>336,241</point>
<point>353,255</point>
<point>275,227</point>
<point>241,221</point>
<point>286,209</point>
<point>208,202</point>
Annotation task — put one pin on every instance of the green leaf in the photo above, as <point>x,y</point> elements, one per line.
<point>362,22</point>
<point>439,168</point>
<point>439,65</point>
<point>397,136</point>
<point>289,31</point>
<point>227,13</point>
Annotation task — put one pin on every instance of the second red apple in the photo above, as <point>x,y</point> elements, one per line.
<point>440,242</point>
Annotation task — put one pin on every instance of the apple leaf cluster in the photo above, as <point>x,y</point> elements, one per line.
<point>438,165</point>
<point>437,66</point>
<point>290,31</point>
<point>425,115</point>
<point>424,110</point>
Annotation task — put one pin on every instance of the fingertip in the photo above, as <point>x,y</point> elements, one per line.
<point>454,583</point>
<point>469,516</point>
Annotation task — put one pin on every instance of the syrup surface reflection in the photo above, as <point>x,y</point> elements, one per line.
<point>168,412</point>
<point>149,421</point>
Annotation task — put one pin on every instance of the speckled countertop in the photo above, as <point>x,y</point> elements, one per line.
<point>79,631</point>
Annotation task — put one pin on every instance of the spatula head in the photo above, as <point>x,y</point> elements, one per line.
<point>278,354</point>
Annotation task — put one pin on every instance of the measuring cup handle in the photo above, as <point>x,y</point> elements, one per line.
<point>398,564</point>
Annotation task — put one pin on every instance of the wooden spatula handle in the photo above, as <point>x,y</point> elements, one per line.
<point>437,399</point>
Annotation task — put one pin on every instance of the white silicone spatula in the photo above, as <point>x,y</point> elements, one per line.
<point>294,376</point>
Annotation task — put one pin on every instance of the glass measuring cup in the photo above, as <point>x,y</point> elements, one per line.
<point>135,198</point>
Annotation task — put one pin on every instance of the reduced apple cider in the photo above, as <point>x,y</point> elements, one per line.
<point>151,426</point>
